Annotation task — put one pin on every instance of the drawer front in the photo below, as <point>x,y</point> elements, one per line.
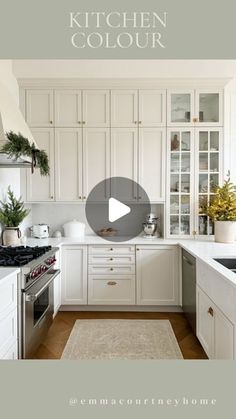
<point>111,260</point>
<point>111,250</point>
<point>8,332</point>
<point>111,270</point>
<point>118,290</point>
<point>12,353</point>
<point>8,295</point>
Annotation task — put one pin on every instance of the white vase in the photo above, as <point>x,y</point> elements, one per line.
<point>225,231</point>
<point>11,236</point>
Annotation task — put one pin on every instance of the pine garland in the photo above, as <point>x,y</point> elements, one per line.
<point>12,213</point>
<point>18,146</point>
<point>223,206</point>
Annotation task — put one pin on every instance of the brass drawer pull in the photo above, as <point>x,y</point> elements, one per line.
<point>211,311</point>
<point>111,269</point>
<point>111,283</point>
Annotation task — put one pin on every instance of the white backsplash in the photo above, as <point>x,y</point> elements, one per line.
<point>55,215</point>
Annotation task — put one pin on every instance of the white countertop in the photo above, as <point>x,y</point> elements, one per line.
<point>5,272</point>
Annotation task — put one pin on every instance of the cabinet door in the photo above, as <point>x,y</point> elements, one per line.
<point>157,275</point>
<point>39,108</point>
<point>152,108</point>
<point>209,107</point>
<point>74,275</point>
<point>180,107</point>
<point>205,322</point>
<point>68,164</point>
<point>124,108</point>
<point>223,337</point>
<point>96,158</point>
<point>124,160</point>
<point>41,188</point>
<point>152,163</point>
<point>57,286</point>
<point>68,108</point>
<point>96,108</point>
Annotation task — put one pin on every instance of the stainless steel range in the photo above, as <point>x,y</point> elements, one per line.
<point>35,300</point>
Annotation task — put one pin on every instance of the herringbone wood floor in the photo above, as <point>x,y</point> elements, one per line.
<point>59,332</point>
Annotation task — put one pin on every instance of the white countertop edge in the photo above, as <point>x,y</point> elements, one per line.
<point>7,272</point>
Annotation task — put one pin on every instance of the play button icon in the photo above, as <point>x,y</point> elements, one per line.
<point>116,209</point>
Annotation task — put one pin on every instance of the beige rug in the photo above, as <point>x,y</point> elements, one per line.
<point>122,339</point>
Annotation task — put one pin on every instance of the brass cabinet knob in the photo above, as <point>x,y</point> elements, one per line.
<point>135,122</point>
<point>137,249</point>
<point>111,283</point>
<point>79,122</point>
<point>211,311</point>
<point>195,120</point>
<point>84,197</point>
<point>140,122</point>
<point>139,197</point>
<point>51,122</point>
<point>111,248</point>
<point>52,197</point>
<point>80,197</point>
<point>84,122</point>
<point>111,258</point>
<point>111,269</point>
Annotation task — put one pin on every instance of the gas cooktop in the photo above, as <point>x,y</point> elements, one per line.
<point>21,255</point>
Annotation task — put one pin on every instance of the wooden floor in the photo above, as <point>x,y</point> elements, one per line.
<point>59,332</point>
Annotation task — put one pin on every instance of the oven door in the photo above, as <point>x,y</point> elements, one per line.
<point>37,312</point>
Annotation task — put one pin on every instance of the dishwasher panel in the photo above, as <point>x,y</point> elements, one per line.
<point>189,288</point>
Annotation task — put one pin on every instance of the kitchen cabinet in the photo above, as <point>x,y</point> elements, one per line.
<point>96,159</point>
<point>68,164</point>
<point>41,188</point>
<point>151,163</point>
<point>214,330</point>
<point>39,108</point>
<point>74,275</point>
<point>157,275</point>
<point>57,285</point>
<point>96,108</point>
<point>195,107</point>
<point>124,108</point>
<point>68,108</point>
<point>124,149</point>
<point>152,108</point>
<point>8,318</point>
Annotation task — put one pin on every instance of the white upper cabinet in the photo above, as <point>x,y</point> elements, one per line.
<point>195,107</point>
<point>124,108</point>
<point>39,108</point>
<point>152,108</point>
<point>124,144</point>
<point>157,275</point>
<point>96,158</point>
<point>96,108</point>
<point>68,108</point>
<point>68,164</point>
<point>41,188</point>
<point>152,142</point>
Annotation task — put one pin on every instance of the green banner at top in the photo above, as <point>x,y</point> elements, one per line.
<point>110,29</point>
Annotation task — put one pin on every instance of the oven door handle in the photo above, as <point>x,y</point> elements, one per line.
<point>33,297</point>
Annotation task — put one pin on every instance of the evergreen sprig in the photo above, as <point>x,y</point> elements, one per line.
<point>18,146</point>
<point>12,213</point>
<point>223,205</point>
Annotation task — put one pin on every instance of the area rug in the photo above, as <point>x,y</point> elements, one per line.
<point>122,339</point>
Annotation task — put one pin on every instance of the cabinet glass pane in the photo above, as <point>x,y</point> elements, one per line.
<point>185,204</point>
<point>185,225</point>
<point>180,107</point>
<point>185,141</point>
<point>203,141</point>
<point>214,181</point>
<point>185,183</point>
<point>202,203</point>
<point>175,141</point>
<point>211,227</point>
<point>174,183</point>
<point>174,204</point>
<point>214,141</point>
<point>203,162</point>
<point>202,225</point>
<point>185,162</point>
<point>174,162</point>
<point>214,162</point>
<point>174,224</point>
<point>208,107</point>
<point>203,183</point>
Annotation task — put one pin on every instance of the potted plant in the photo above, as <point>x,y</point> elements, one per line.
<point>222,210</point>
<point>12,213</point>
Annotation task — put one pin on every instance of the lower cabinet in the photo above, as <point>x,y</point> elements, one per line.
<point>214,330</point>
<point>157,275</point>
<point>74,275</point>
<point>111,289</point>
<point>57,286</point>
<point>8,317</point>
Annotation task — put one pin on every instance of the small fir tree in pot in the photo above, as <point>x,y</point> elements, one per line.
<point>12,213</point>
<point>222,210</point>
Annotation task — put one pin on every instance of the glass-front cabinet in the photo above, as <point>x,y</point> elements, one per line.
<point>208,174</point>
<point>180,181</point>
<point>194,108</point>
